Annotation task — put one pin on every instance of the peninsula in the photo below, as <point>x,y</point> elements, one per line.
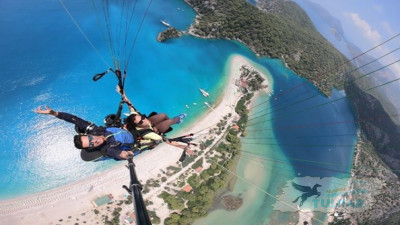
<point>169,33</point>
<point>281,29</point>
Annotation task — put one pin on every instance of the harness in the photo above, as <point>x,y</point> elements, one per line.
<point>120,135</point>
<point>122,141</point>
<point>139,134</point>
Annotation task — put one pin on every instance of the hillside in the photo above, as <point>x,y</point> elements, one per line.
<point>375,122</point>
<point>281,29</point>
<point>376,157</point>
<point>271,32</point>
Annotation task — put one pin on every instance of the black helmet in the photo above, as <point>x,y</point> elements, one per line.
<point>112,121</point>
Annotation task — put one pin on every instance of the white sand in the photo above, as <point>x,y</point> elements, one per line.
<point>73,200</point>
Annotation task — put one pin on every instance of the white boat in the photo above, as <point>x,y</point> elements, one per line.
<point>165,23</point>
<point>208,105</point>
<point>205,94</point>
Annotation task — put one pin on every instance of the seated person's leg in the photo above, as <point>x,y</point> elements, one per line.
<point>154,120</point>
<point>164,125</point>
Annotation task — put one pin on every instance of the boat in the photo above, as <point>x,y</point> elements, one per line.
<point>204,93</point>
<point>165,23</point>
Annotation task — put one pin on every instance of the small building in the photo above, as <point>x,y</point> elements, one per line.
<point>103,200</point>
<point>243,83</point>
<point>198,169</point>
<point>187,188</point>
<point>130,218</point>
<point>236,127</point>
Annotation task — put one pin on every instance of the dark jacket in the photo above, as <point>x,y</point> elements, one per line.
<point>117,139</point>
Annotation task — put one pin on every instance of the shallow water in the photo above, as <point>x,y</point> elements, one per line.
<point>48,62</point>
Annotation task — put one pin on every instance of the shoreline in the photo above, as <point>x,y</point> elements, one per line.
<point>51,206</point>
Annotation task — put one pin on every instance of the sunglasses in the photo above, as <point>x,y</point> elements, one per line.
<point>142,117</point>
<point>91,144</point>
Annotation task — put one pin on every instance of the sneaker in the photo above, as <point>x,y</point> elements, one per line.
<point>181,116</point>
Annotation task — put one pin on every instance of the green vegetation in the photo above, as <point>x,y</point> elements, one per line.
<point>241,109</point>
<point>209,183</point>
<point>206,144</point>
<point>253,78</point>
<point>154,218</point>
<point>337,221</point>
<point>115,220</point>
<point>171,32</point>
<point>197,164</point>
<point>173,203</point>
<point>194,181</point>
<point>189,159</point>
<point>212,181</point>
<point>273,34</point>
<point>172,170</point>
<point>205,187</point>
<point>149,184</point>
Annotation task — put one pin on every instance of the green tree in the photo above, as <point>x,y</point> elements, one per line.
<point>172,219</point>
<point>194,180</point>
<point>232,138</point>
<point>197,163</point>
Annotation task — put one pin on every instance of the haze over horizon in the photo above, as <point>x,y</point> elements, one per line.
<point>368,23</point>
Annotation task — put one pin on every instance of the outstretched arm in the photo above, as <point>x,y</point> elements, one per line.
<point>132,108</point>
<point>80,123</point>
<point>46,110</point>
<point>176,144</point>
<point>117,153</point>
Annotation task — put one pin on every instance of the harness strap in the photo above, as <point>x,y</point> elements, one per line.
<point>110,135</point>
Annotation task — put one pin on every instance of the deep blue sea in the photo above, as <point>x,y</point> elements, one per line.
<point>45,60</point>
<point>316,133</point>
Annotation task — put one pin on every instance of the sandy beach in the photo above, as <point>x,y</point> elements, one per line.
<point>73,203</point>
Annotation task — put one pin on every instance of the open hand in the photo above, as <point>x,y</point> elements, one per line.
<point>39,110</point>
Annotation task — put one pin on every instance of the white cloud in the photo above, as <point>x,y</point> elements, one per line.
<point>374,37</point>
<point>366,29</point>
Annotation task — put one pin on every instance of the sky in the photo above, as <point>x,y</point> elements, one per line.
<point>367,23</point>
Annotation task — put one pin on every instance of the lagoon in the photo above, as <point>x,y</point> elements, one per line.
<point>53,65</point>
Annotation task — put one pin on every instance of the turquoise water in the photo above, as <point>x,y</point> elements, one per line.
<point>311,138</point>
<point>257,183</point>
<point>46,61</point>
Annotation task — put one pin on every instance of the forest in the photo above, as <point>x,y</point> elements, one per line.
<point>269,33</point>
